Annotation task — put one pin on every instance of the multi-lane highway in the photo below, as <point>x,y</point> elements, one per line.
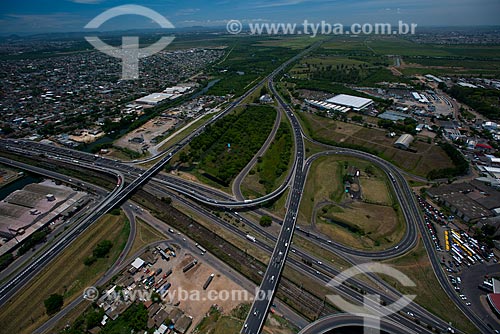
<point>260,307</point>
<point>119,195</point>
<point>9,288</point>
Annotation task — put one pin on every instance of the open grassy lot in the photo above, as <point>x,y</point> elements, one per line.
<point>324,183</point>
<point>327,66</point>
<point>361,225</point>
<point>145,235</point>
<point>427,158</point>
<point>419,58</point>
<point>186,132</point>
<point>429,293</point>
<point>218,322</point>
<point>370,223</point>
<point>278,206</point>
<point>375,191</point>
<point>323,63</point>
<point>66,275</point>
<point>393,45</point>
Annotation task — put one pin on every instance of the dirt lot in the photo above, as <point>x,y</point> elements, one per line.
<point>145,135</point>
<point>187,288</point>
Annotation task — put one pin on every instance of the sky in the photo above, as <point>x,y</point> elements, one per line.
<point>41,16</point>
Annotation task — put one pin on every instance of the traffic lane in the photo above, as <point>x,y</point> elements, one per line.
<point>256,319</point>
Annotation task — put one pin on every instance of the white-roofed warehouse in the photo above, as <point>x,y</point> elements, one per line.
<point>350,101</point>
<point>404,142</point>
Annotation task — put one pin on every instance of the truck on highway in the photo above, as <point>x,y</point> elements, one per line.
<point>251,238</point>
<point>203,250</point>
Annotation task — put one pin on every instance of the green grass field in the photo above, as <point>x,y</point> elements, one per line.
<point>292,42</point>
<point>361,225</point>
<point>186,132</point>
<point>324,183</point>
<point>145,235</point>
<point>372,223</point>
<point>393,45</point>
<point>418,58</point>
<point>216,322</point>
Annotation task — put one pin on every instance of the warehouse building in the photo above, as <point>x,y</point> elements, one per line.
<point>153,99</point>
<point>354,102</point>
<point>404,142</point>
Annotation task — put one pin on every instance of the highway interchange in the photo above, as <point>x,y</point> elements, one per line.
<point>205,195</point>
<point>325,273</point>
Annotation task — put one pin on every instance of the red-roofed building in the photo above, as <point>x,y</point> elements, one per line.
<point>484,147</point>
<point>494,301</point>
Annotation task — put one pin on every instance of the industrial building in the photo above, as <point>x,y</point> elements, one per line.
<point>404,142</point>
<point>25,211</point>
<point>356,103</point>
<point>494,298</point>
<point>328,106</point>
<point>394,116</point>
<point>420,97</point>
<point>153,99</point>
<point>170,93</point>
<point>470,201</point>
<point>433,78</point>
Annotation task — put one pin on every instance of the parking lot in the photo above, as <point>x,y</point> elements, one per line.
<point>467,263</point>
